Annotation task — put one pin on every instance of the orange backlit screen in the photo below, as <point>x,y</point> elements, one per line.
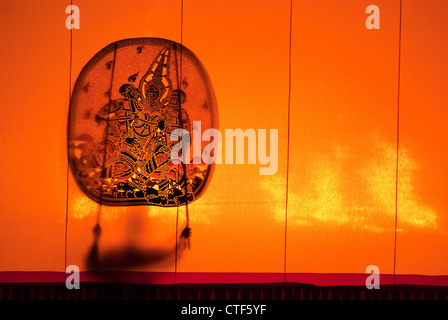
<point>348,105</point>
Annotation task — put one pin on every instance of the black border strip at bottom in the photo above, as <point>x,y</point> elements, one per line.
<point>207,292</point>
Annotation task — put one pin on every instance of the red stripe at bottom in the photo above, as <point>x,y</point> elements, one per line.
<point>319,279</point>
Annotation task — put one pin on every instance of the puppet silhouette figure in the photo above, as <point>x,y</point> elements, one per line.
<point>121,154</point>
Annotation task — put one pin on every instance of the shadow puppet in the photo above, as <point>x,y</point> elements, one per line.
<point>105,264</point>
<point>131,256</point>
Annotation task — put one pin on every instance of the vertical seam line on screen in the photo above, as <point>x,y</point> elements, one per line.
<point>288,140</point>
<point>179,83</point>
<point>177,207</point>
<point>107,133</point>
<point>398,142</point>
<point>67,137</point>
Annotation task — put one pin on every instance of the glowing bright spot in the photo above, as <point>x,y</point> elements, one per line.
<point>82,206</point>
<point>356,189</point>
<point>382,171</point>
<point>327,204</point>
